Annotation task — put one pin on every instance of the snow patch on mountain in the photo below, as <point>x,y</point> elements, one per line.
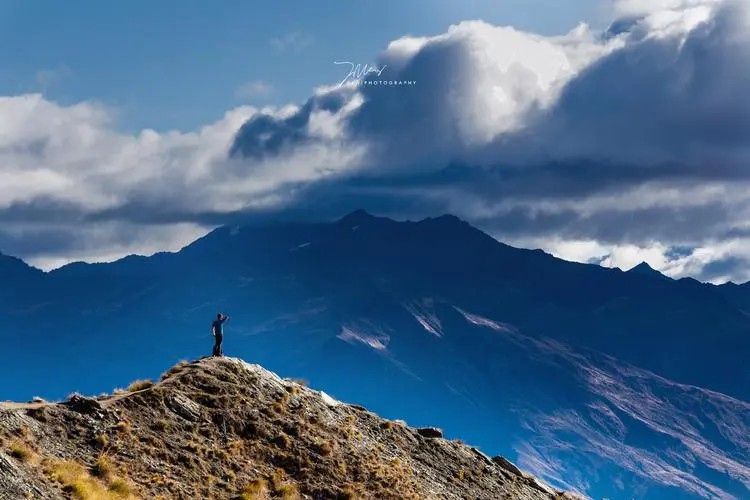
<point>703,428</point>
<point>423,311</point>
<point>663,431</point>
<point>481,321</point>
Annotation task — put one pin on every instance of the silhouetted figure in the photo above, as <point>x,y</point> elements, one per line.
<point>217,328</point>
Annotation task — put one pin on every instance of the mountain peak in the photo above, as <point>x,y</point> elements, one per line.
<point>357,217</point>
<point>361,217</point>
<point>254,434</point>
<point>645,269</point>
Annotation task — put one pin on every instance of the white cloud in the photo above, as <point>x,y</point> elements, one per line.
<point>74,188</point>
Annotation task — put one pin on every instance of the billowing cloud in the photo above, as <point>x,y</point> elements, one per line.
<point>601,146</point>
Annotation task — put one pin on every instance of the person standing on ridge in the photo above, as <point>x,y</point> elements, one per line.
<point>217,328</point>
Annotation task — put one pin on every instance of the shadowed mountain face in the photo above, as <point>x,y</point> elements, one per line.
<point>616,384</point>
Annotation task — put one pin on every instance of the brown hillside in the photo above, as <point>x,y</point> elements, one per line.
<point>221,428</point>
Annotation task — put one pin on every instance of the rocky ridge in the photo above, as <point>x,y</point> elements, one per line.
<point>222,428</point>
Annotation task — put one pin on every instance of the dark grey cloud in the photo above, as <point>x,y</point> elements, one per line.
<point>266,135</point>
<point>720,268</point>
<point>660,108</point>
<point>677,99</point>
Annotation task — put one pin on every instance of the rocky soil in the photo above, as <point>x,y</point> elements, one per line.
<point>222,428</point>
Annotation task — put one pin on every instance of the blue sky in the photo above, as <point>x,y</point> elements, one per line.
<point>165,65</point>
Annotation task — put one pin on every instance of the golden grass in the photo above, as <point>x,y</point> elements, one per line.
<point>123,427</point>
<point>79,484</point>
<point>120,487</point>
<point>174,370</point>
<point>348,493</point>
<point>160,425</point>
<point>103,468</point>
<point>22,432</point>
<point>20,451</point>
<point>140,385</point>
<point>288,491</point>
<point>102,440</point>
<point>323,447</point>
<point>255,490</point>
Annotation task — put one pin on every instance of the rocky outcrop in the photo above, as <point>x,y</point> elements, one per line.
<point>430,432</point>
<point>222,428</point>
<point>507,465</point>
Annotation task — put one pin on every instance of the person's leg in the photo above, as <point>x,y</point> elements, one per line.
<point>219,341</point>
<point>215,351</point>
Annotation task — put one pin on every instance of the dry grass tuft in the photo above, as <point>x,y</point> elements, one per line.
<point>299,381</point>
<point>21,451</point>
<point>140,385</point>
<point>123,427</point>
<point>256,489</point>
<point>288,491</point>
<point>102,441</point>
<point>160,425</point>
<point>23,432</point>
<point>323,448</point>
<point>103,468</point>
<point>120,488</point>
<point>348,493</point>
<point>174,370</point>
<point>79,484</point>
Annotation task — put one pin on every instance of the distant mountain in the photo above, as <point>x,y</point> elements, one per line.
<point>646,270</point>
<point>221,428</point>
<point>617,384</point>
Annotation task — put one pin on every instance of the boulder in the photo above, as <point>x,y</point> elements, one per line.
<point>507,465</point>
<point>85,406</point>
<point>481,455</point>
<point>430,432</point>
<point>184,407</point>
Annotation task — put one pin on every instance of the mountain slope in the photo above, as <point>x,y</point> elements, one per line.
<point>220,428</point>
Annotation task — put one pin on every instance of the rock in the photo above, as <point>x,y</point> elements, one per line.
<point>540,486</point>
<point>14,482</point>
<point>328,400</point>
<point>506,464</point>
<point>481,455</point>
<point>430,432</point>
<point>184,407</point>
<point>85,406</point>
